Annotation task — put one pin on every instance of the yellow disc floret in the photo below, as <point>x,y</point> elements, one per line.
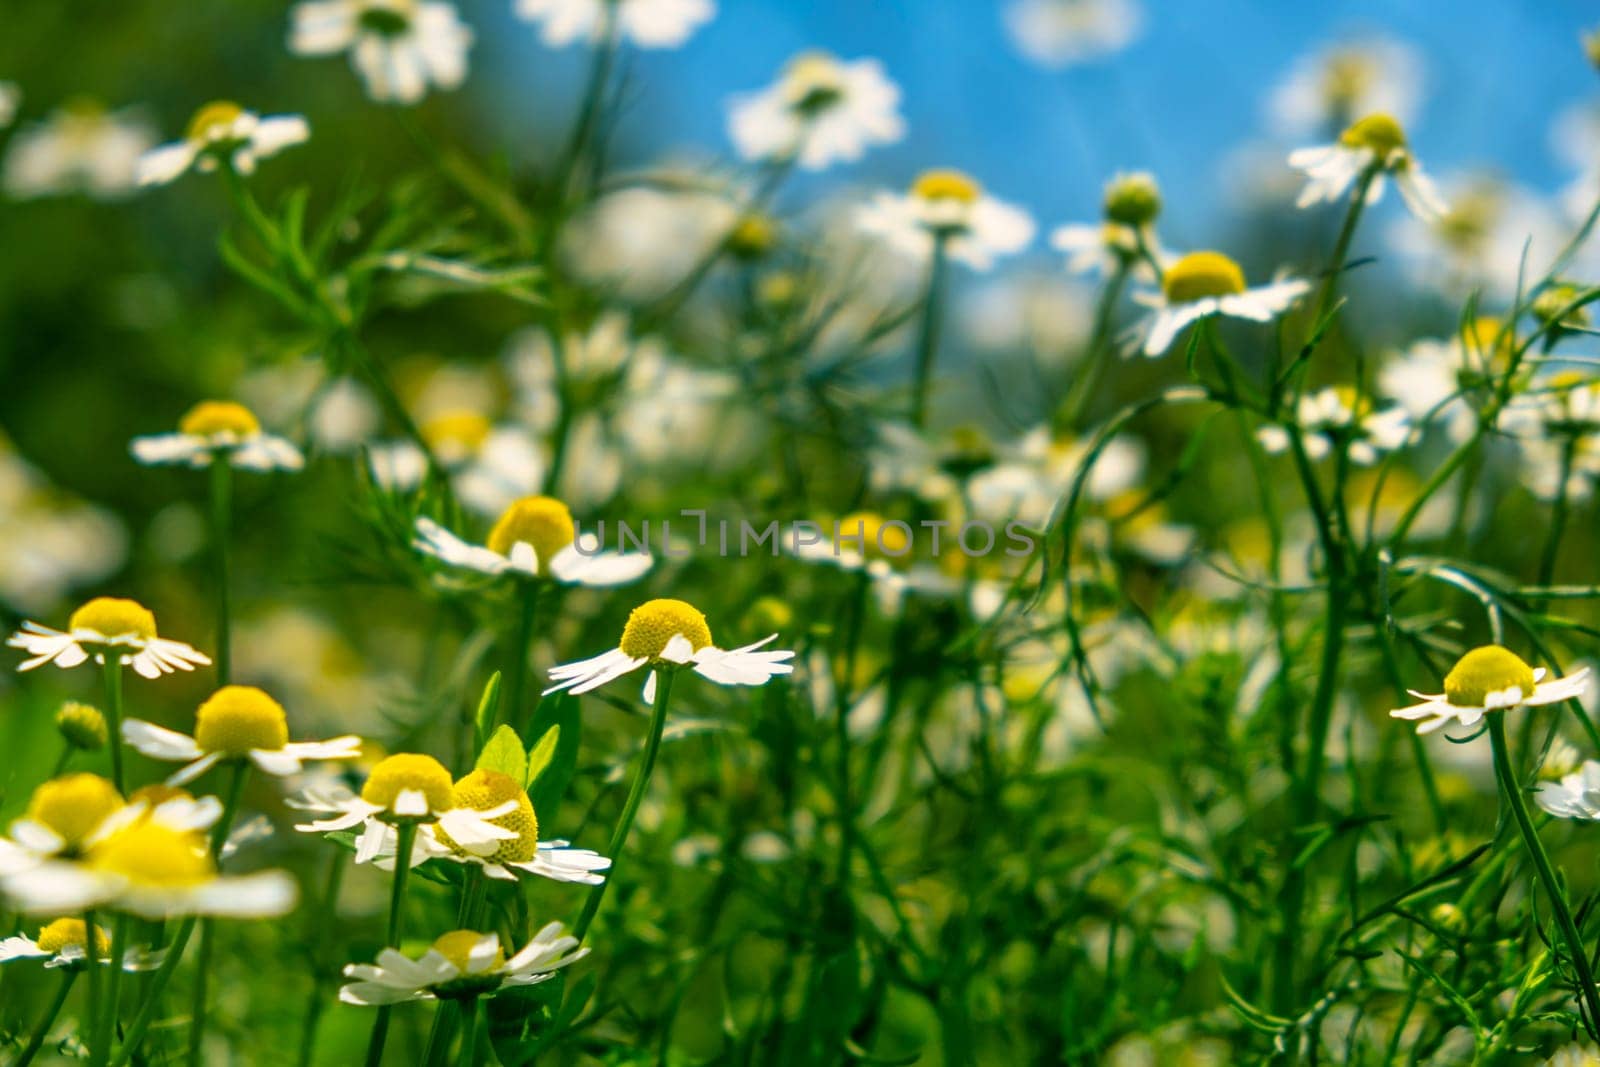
<point>1486,670</point>
<point>872,535</point>
<point>111,617</point>
<point>408,770</point>
<point>214,121</point>
<point>1378,132</point>
<point>148,853</point>
<point>485,789</point>
<point>74,805</point>
<point>238,718</point>
<point>947,185</point>
<point>542,522</point>
<point>219,418</point>
<point>457,433</point>
<point>82,725</point>
<point>457,946</point>
<point>1199,275</point>
<point>63,934</point>
<point>652,624</point>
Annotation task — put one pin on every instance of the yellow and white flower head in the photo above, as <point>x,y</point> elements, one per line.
<point>237,722</point>
<point>222,132</point>
<point>950,207</point>
<point>1575,796</point>
<point>670,634</point>
<point>218,428</point>
<point>1332,88</point>
<point>1375,144</point>
<point>821,111</point>
<point>1333,415</point>
<point>80,148</point>
<point>535,537</point>
<point>1064,33</point>
<point>644,23</point>
<point>1491,231</point>
<point>1202,284</point>
<point>489,465</point>
<point>1490,678</point>
<point>1435,379</point>
<point>404,788</point>
<point>1132,203</point>
<point>460,965</point>
<point>107,626</point>
<point>60,943</point>
<point>398,47</point>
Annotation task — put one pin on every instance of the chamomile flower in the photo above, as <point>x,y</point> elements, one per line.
<point>1575,796</point>
<point>222,133</point>
<point>1132,202</point>
<point>398,47</point>
<point>1332,88</point>
<point>404,788</point>
<point>869,542</point>
<point>1377,145</point>
<point>237,722</point>
<point>1436,379</point>
<point>1490,678</point>
<point>460,965</point>
<point>948,207</point>
<point>489,465</point>
<point>821,111</point>
<point>1063,33</point>
<point>667,635</point>
<point>67,815</point>
<point>644,23</point>
<point>218,428</point>
<point>80,148</point>
<point>60,943</point>
<point>1203,284</point>
<point>107,626</point>
<point>1329,417</point>
<point>535,537</point>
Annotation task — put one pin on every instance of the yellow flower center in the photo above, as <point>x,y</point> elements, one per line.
<point>158,793</point>
<point>150,854</point>
<point>407,770</point>
<point>238,718</point>
<point>111,616</point>
<point>946,185</point>
<point>485,789</point>
<point>1378,132</point>
<point>753,237</point>
<point>82,725</point>
<point>873,535</point>
<point>63,934</point>
<point>541,521</point>
<point>74,805</point>
<point>213,120</point>
<point>455,435</point>
<point>211,418</point>
<point>1490,669</point>
<point>652,624</point>
<point>1199,275</point>
<point>813,82</point>
<point>457,946</point>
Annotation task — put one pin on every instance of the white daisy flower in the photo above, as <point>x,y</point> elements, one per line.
<point>462,963</point>
<point>107,626</point>
<point>535,537</point>
<point>1132,202</point>
<point>222,132</point>
<point>1377,144</point>
<point>80,148</point>
<point>61,943</point>
<point>1436,379</point>
<point>218,427</point>
<point>1203,284</point>
<point>1329,416</point>
<point>1064,33</point>
<point>1488,679</point>
<point>645,23</point>
<point>398,47</point>
<point>489,466</point>
<point>947,206</point>
<point>402,788</point>
<point>821,111</point>
<point>882,548</point>
<point>667,635</point>
<point>237,722</point>
<point>1493,234</point>
<point>1334,87</point>
<point>1576,796</point>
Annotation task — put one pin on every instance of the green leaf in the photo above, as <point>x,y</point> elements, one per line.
<point>559,711</point>
<point>540,755</point>
<point>488,709</point>
<point>504,753</point>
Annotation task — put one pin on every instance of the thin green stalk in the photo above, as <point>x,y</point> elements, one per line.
<point>221,521</point>
<point>319,919</point>
<point>62,760</point>
<point>641,781</point>
<point>1341,247</point>
<point>147,1012</point>
<point>589,111</point>
<point>36,1041</point>
<point>119,950</point>
<point>113,675</point>
<point>440,1032</point>
<point>469,1032</point>
<point>405,837</point>
<point>928,331</point>
<point>202,974</point>
<point>842,690</point>
<point>90,1026</point>
<point>1083,391</point>
<point>517,670</point>
<point>1511,789</point>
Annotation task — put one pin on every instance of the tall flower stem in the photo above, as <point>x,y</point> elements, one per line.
<point>1511,789</point>
<point>119,949</point>
<point>641,781</point>
<point>406,836</point>
<point>517,670</point>
<point>1083,390</point>
<point>152,999</point>
<point>113,673</point>
<point>1341,246</point>
<point>91,1020</point>
<point>928,331</point>
<point>221,522</point>
<point>47,1020</point>
<point>202,973</point>
<point>578,145</point>
<point>319,920</point>
<point>469,1033</point>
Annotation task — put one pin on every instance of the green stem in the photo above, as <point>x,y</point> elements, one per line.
<point>36,1041</point>
<point>90,1027</point>
<point>1511,789</point>
<point>517,670</point>
<point>63,759</point>
<point>641,780</point>
<point>221,521</point>
<point>1341,247</point>
<point>1084,389</point>
<point>330,900</point>
<point>439,1033</point>
<point>928,332</point>
<point>163,975</point>
<point>589,111</point>
<point>119,950</point>
<point>208,932</point>
<point>469,1033</point>
<point>113,673</point>
<point>405,837</point>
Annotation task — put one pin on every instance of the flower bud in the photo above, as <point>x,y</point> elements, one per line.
<point>82,726</point>
<point>1133,199</point>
